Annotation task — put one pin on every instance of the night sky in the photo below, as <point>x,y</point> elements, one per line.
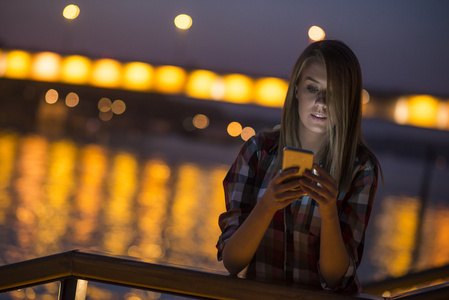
<point>402,45</point>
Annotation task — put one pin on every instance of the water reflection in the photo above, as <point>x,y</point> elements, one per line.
<point>8,145</point>
<point>57,195</point>
<point>396,252</point>
<point>435,243</point>
<point>87,203</point>
<point>192,232</point>
<point>395,236</point>
<point>29,189</point>
<point>152,215</point>
<point>119,207</point>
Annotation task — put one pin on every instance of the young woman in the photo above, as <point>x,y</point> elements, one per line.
<point>315,234</point>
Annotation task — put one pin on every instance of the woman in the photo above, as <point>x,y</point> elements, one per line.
<point>315,234</point>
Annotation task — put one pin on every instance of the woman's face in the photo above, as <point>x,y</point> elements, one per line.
<point>311,95</point>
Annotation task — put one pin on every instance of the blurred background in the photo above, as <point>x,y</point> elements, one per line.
<point>120,119</point>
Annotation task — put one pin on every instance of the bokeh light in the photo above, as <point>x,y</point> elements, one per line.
<point>401,111</point>
<point>234,129</point>
<point>316,33</point>
<point>75,69</point>
<point>105,116</point>
<point>118,107</point>
<point>442,119</point>
<point>106,73</point>
<point>200,84</point>
<point>200,121</point>
<point>138,76</point>
<point>46,66</point>
<point>247,133</point>
<point>270,92</point>
<point>218,89</point>
<point>365,96</point>
<point>423,110</point>
<point>71,12</point>
<point>183,21</point>
<point>169,79</point>
<point>72,99</point>
<point>17,64</point>
<point>417,110</point>
<point>51,96</point>
<point>104,105</point>
<point>238,88</point>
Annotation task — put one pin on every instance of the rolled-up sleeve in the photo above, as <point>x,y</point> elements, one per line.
<point>354,213</point>
<point>238,187</point>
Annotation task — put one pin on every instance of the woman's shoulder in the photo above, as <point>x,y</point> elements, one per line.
<point>366,159</point>
<point>264,140</point>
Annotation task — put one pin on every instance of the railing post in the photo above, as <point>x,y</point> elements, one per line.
<point>72,289</point>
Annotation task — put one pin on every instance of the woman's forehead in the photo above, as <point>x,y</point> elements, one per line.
<point>315,70</point>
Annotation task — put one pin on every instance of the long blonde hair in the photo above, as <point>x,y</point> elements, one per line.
<point>343,101</point>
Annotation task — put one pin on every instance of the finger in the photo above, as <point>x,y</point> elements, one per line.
<point>289,172</point>
<point>317,180</point>
<point>285,174</point>
<point>314,195</point>
<point>284,186</point>
<point>323,173</point>
<point>323,178</point>
<point>314,190</point>
<point>289,196</point>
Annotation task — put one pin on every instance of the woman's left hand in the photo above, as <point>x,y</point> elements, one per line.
<point>322,187</point>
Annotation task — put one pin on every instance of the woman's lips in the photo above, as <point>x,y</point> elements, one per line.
<point>319,117</point>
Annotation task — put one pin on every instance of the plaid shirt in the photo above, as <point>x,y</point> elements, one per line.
<point>289,250</point>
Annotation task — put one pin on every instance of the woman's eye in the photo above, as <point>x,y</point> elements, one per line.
<point>312,89</point>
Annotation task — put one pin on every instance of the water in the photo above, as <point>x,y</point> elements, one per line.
<point>156,195</point>
<point>59,195</point>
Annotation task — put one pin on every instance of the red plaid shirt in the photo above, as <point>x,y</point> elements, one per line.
<point>289,250</point>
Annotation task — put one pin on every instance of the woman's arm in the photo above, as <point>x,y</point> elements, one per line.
<point>334,259</point>
<point>242,245</point>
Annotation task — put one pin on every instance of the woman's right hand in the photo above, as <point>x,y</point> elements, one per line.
<point>242,245</point>
<point>282,190</point>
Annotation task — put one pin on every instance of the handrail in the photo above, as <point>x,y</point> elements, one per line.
<point>412,279</point>
<point>35,272</point>
<point>70,266</point>
<point>144,275</point>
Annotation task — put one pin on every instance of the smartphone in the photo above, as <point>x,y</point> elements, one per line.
<point>294,157</point>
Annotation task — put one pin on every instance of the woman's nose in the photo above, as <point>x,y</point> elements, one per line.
<point>321,98</point>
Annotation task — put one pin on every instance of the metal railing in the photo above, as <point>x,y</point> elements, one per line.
<point>74,268</point>
<point>425,277</point>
